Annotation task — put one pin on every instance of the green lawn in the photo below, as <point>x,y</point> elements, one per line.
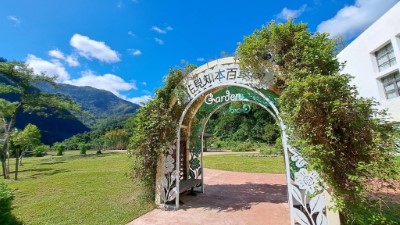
<point>241,163</point>
<point>91,189</point>
<point>74,189</point>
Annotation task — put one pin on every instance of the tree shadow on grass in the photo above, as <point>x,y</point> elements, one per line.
<point>52,163</point>
<point>6,217</point>
<point>40,172</point>
<point>235,197</point>
<point>90,156</point>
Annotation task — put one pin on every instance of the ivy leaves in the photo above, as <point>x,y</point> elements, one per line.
<point>342,136</point>
<point>155,127</point>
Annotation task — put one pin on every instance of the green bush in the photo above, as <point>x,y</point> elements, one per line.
<point>278,144</point>
<point>270,150</point>
<point>6,197</point>
<point>40,150</point>
<point>216,143</point>
<point>83,148</point>
<point>60,148</point>
<point>240,146</point>
<point>243,146</point>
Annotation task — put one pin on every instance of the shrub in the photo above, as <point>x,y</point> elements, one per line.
<point>278,144</point>
<point>270,150</point>
<point>40,151</point>
<point>60,148</point>
<point>83,148</point>
<point>5,196</point>
<point>6,205</point>
<point>243,146</point>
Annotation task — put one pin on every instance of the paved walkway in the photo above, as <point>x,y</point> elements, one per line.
<point>229,198</point>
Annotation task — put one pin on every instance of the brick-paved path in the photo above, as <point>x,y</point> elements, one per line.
<point>229,198</point>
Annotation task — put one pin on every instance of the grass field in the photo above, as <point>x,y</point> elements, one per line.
<point>242,163</point>
<point>95,189</point>
<point>75,189</point>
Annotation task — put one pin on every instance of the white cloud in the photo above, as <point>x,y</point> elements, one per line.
<point>130,33</point>
<point>200,59</point>
<point>161,31</point>
<point>286,13</point>
<point>158,30</point>
<point>108,82</point>
<point>51,69</point>
<point>352,20</point>
<point>144,83</point>
<point>135,52</point>
<point>89,49</point>
<point>159,41</point>
<point>140,100</point>
<point>14,19</point>
<point>56,54</point>
<point>71,60</point>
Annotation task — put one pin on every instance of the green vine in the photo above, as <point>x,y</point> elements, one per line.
<point>155,128</point>
<point>343,137</point>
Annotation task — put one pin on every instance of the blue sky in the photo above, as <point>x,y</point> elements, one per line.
<point>128,46</point>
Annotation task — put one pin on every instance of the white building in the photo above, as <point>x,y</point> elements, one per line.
<point>373,58</point>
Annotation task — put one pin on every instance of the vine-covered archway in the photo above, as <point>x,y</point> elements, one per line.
<point>344,137</point>
<point>209,87</point>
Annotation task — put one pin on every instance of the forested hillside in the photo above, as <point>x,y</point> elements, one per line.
<point>96,105</point>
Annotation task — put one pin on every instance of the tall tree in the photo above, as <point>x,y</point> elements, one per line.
<point>19,80</point>
<point>28,138</point>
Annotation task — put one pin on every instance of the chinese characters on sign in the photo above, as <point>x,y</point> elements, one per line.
<point>218,76</point>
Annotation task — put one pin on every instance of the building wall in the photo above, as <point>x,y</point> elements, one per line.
<point>362,64</point>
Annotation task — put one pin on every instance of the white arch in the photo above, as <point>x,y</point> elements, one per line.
<point>281,124</point>
<point>208,118</point>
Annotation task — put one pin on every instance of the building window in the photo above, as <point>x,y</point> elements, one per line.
<point>391,85</point>
<point>385,57</point>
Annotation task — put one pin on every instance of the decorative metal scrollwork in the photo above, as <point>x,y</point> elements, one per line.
<point>307,194</point>
<point>194,163</point>
<point>168,181</point>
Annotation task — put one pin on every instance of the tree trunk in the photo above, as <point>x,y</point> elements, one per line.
<point>5,150</point>
<point>20,158</point>
<point>4,158</point>
<point>8,164</point>
<point>4,155</point>
<point>2,151</point>
<point>16,163</point>
<point>3,163</point>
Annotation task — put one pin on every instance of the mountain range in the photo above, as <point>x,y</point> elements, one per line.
<point>96,105</point>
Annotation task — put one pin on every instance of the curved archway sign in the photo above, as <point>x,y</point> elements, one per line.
<point>209,88</point>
